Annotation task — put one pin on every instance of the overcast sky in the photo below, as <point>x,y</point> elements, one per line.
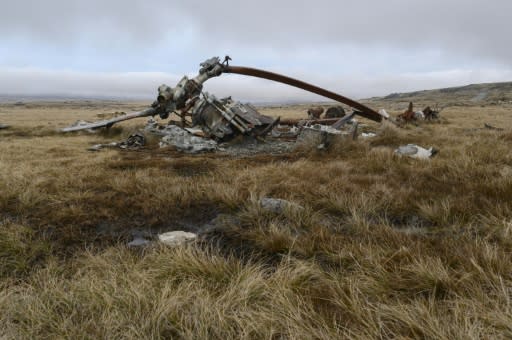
<point>359,48</point>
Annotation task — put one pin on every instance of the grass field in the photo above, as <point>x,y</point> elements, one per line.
<point>386,247</point>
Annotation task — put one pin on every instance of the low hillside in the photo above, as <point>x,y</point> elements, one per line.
<point>470,95</point>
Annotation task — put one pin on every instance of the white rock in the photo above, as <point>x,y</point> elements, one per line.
<point>138,242</point>
<point>176,238</point>
<point>415,151</point>
<point>368,135</point>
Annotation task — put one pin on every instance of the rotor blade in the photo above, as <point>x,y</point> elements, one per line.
<point>253,72</point>
<point>108,123</point>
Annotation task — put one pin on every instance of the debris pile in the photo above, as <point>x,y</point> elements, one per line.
<point>315,112</point>
<point>335,112</point>
<point>207,121</point>
<point>134,141</point>
<point>320,135</point>
<point>184,141</point>
<point>224,119</point>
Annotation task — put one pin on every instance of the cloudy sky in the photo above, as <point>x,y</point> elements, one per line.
<point>359,48</point>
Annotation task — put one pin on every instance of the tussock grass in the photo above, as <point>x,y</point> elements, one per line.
<point>384,247</point>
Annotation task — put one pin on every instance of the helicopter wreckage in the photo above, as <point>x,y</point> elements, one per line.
<point>207,120</point>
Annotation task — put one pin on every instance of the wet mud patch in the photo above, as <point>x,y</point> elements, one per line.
<point>72,236</point>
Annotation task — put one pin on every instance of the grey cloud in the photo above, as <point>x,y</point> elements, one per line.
<point>347,42</point>
<point>473,28</point>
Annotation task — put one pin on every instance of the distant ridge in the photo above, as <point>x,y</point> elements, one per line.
<point>474,94</point>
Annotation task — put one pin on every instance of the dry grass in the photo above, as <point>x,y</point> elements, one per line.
<point>386,247</point>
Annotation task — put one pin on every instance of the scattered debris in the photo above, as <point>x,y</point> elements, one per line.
<point>4,126</point>
<point>278,206</point>
<point>184,141</point>
<point>176,238</point>
<point>415,151</point>
<point>429,114</point>
<point>335,112</point>
<point>247,146</point>
<point>490,127</point>
<point>411,115</point>
<point>320,135</point>
<point>315,112</point>
<point>408,115</point>
<point>206,121</point>
<point>133,142</point>
<point>307,122</point>
<point>223,119</point>
<point>98,147</point>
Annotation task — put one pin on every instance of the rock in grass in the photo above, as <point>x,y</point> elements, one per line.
<point>277,205</point>
<point>176,238</point>
<point>415,151</point>
<point>138,242</point>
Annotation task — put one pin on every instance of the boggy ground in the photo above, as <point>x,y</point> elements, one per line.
<point>386,247</point>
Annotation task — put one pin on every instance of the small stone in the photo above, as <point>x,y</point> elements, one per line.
<point>277,205</point>
<point>176,238</point>
<point>138,242</point>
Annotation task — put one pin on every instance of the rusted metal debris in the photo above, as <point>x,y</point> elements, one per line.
<point>222,119</point>
<point>335,112</point>
<point>315,112</point>
<point>426,114</point>
<point>302,122</point>
<point>430,114</point>
<point>363,110</point>
<point>408,115</point>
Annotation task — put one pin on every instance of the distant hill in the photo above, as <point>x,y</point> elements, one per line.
<point>470,95</point>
